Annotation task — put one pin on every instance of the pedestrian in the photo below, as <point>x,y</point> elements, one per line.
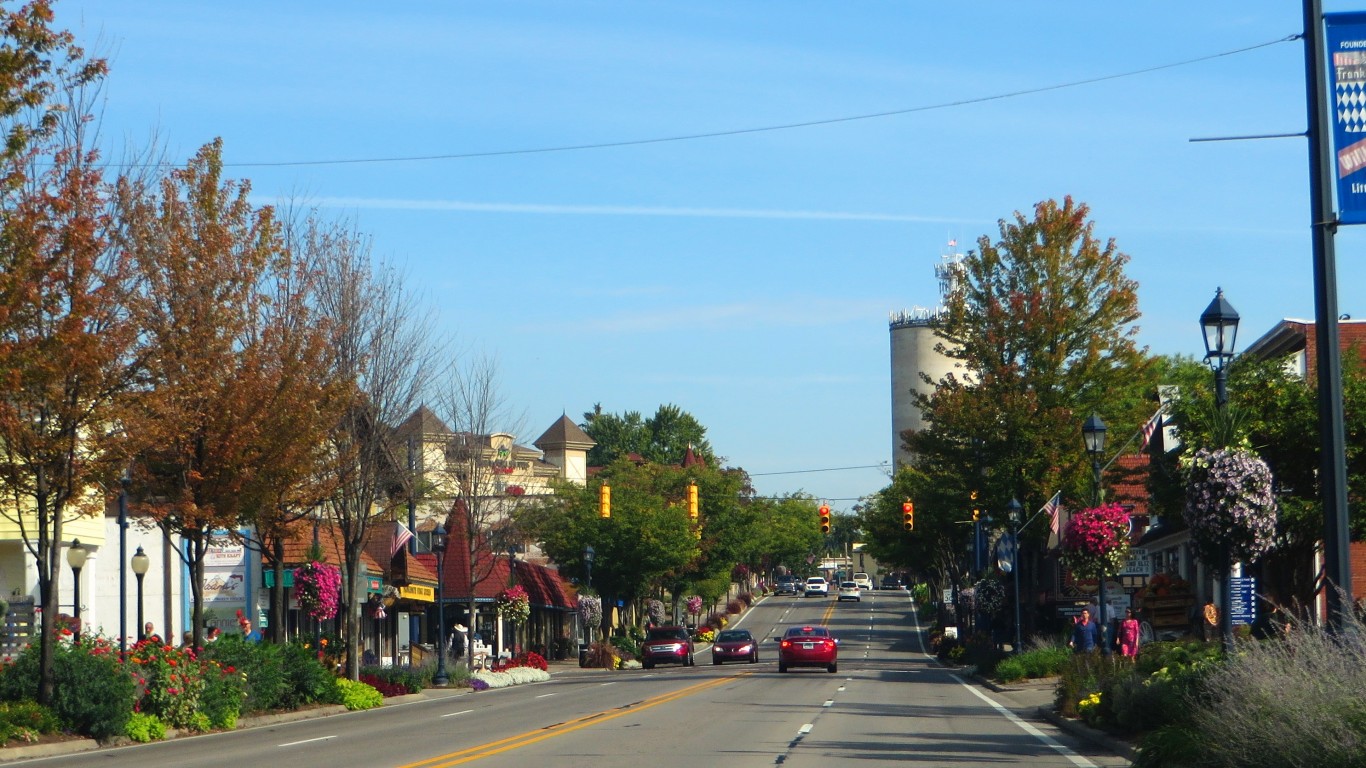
<point>1085,634</point>
<point>458,640</point>
<point>212,635</point>
<point>148,633</point>
<point>1128,634</point>
<point>187,639</point>
<point>249,634</point>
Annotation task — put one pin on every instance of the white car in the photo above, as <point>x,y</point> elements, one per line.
<point>849,590</point>
<point>863,580</point>
<point>817,586</point>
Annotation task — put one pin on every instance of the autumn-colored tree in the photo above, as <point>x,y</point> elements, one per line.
<point>203,254</point>
<point>65,342</point>
<point>1041,326</point>
<point>380,353</point>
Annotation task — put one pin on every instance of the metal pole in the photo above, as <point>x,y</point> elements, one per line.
<point>441,679</point>
<point>123,569</point>
<point>76,579</point>
<point>1323,224</point>
<point>1100,590</point>
<point>142,635</point>
<point>1015,570</point>
<point>414,621</point>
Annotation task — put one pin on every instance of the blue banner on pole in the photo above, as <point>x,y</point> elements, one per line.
<point>1346,44</point>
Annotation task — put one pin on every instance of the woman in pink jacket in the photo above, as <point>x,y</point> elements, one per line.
<point>1128,634</point>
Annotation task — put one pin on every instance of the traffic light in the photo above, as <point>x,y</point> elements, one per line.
<point>605,501</point>
<point>976,515</point>
<point>908,515</point>
<point>976,511</point>
<point>825,518</point>
<point>692,501</point>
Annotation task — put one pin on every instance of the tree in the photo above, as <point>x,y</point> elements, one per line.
<point>1041,327</point>
<point>664,438</point>
<point>379,351</point>
<point>66,345</point>
<point>478,459</point>
<point>203,254</point>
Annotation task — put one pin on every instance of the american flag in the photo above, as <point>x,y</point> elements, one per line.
<point>401,537</point>
<point>1053,506</point>
<point>1149,428</point>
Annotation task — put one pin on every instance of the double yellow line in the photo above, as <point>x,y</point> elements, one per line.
<point>559,729</point>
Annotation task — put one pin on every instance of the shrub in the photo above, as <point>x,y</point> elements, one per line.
<point>93,693</point>
<point>602,655</point>
<point>1086,673</point>
<point>307,680</point>
<point>411,679</point>
<point>531,660</point>
<point>25,721</point>
<point>1040,661</point>
<point>1011,669</point>
<point>356,695</point>
<point>263,667</point>
<point>170,681</point>
<point>223,694</point>
<point>746,597</point>
<point>385,687</point>
<point>144,728</point>
<point>735,606</point>
<point>627,646</point>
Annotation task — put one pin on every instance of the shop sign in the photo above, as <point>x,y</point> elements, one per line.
<point>417,592</point>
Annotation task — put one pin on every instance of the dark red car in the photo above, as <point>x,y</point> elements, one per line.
<point>666,645</point>
<point>808,647</point>
<point>734,645</point>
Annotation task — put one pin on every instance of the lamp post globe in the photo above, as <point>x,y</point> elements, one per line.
<point>75,558</point>
<point>439,544</point>
<point>140,563</point>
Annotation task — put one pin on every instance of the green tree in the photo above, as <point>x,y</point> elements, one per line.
<point>1040,325</point>
<point>664,438</point>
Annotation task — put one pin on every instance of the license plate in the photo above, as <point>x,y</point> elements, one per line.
<point>808,646</point>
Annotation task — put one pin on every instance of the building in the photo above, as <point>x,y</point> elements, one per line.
<point>915,354</point>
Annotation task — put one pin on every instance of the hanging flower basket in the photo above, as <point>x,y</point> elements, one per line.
<point>515,605</point>
<point>317,588</point>
<point>1230,507</point>
<point>991,596</point>
<point>1096,540</point>
<point>590,609</point>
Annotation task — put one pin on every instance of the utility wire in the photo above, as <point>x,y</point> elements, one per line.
<point>827,469</point>
<point>762,129</point>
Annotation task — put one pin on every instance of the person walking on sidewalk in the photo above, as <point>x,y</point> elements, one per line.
<point>1085,634</point>
<point>1128,634</point>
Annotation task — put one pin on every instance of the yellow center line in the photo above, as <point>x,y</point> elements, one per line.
<point>559,729</point>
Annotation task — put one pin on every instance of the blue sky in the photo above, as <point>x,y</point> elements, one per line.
<point>745,278</point>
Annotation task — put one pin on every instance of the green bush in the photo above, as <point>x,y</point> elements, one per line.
<point>171,682</point>
<point>93,693</point>
<point>144,728</point>
<point>308,680</point>
<point>356,695</point>
<point>223,695</point>
<point>25,721</point>
<point>1083,674</point>
<point>263,666</point>
<point>628,647</point>
<point>413,679</point>
<point>1010,669</point>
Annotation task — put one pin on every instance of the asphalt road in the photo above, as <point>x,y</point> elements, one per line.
<point>888,703</point>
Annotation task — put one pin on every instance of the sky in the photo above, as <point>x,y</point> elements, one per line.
<point>718,204</point>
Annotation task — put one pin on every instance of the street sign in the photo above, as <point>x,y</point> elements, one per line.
<point>1243,609</point>
<point>1138,564</point>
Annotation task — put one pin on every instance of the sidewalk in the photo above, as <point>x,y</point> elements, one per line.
<point>1036,697</point>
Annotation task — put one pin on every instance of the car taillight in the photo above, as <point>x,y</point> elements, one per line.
<point>829,643</point>
<point>787,644</point>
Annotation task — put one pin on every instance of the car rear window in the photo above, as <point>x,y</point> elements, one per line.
<point>667,634</point>
<point>850,585</point>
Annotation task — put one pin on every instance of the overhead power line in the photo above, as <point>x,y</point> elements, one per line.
<point>759,129</point>
<point>883,465</point>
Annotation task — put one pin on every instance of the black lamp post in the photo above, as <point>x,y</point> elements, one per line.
<point>1015,513</point>
<point>439,542</point>
<point>1093,434</point>
<point>141,562</point>
<point>123,573</point>
<point>1219,322</point>
<point>75,557</point>
<point>588,553</point>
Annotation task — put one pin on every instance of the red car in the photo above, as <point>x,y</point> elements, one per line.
<point>808,647</point>
<point>666,645</point>
<point>734,645</point>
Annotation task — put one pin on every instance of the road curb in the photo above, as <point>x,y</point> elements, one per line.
<point>1082,731</point>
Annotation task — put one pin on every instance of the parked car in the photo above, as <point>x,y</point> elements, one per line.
<point>666,645</point>
<point>816,585</point>
<point>734,645</point>
<point>863,580</point>
<point>849,590</point>
<point>892,582</point>
<point>808,647</point>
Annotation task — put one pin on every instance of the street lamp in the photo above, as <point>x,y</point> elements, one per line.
<point>588,553</point>
<point>1219,322</point>
<point>439,542</point>
<point>75,557</point>
<point>1093,434</point>
<point>1015,513</point>
<point>141,562</point>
